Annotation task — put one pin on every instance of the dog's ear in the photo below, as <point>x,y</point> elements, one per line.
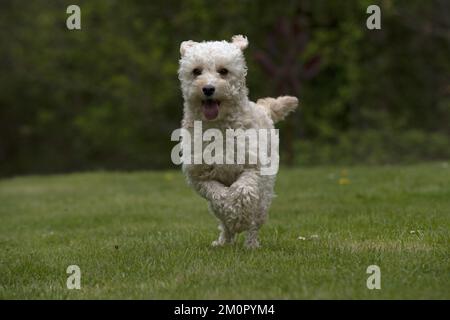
<point>240,41</point>
<point>185,45</point>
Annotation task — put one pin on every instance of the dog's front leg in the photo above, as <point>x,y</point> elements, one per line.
<point>211,190</point>
<point>225,236</point>
<point>216,193</point>
<point>244,200</point>
<point>251,241</point>
<point>243,194</point>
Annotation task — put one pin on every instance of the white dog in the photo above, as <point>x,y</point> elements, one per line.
<point>212,76</point>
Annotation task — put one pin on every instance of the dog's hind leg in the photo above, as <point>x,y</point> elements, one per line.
<point>225,236</point>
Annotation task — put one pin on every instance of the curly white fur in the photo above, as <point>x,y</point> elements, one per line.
<point>238,195</point>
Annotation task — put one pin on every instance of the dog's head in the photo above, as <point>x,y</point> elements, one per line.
<point>212,75</point>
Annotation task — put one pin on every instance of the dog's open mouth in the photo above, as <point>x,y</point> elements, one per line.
<point>210,108</point>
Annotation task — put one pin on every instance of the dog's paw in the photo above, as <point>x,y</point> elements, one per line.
<point>243,197</point>
<point>252,244</point>
<point>217,243</point>
<point>243,193</point>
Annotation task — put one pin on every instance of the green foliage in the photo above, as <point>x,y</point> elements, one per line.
<point>373,147</point>
<point>108,96</point>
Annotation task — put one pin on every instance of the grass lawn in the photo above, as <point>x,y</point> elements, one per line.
<point>146,235</point>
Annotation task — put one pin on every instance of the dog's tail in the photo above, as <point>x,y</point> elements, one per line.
<point>278,108</point>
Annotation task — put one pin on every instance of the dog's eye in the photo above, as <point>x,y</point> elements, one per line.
<point>223,71</point>
<point>197,72</point>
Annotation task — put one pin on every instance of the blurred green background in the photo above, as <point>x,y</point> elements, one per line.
<point>108,97</point>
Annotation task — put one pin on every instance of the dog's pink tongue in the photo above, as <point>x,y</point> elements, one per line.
<point>210,109</point>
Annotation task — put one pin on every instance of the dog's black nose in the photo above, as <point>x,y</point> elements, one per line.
<point>208,90</point>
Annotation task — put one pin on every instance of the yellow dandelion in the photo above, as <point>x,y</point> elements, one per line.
<point>343,181</point>
<point>168,177</point>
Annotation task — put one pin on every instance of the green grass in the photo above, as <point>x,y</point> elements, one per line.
<point>147,235</point>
